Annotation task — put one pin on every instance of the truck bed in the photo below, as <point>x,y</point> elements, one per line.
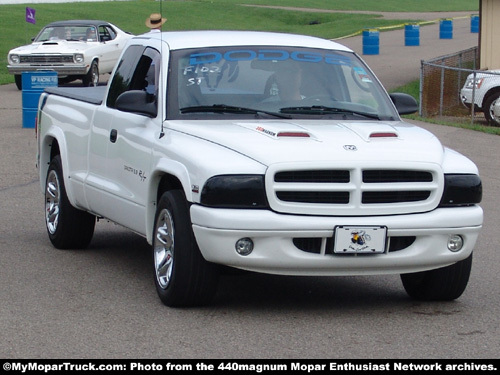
<point>92,95</point>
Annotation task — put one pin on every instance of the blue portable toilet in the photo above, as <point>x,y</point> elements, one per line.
<point>474,23</point>
<point>33,84</point>
<point>371,42</point>
<point>412,35</point>
<point>446,29</point>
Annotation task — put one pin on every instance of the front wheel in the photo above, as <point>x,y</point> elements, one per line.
<point>182,276</point>
<point>488,107</point>
<point>92,76</point>
<point>19,81</point>
<point>442,284</point>
<point>67,226</point>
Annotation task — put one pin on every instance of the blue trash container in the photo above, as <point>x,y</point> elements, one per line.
<point>474,23</point>
<point>371,42</point>
<point>446,29</point>
<point>33,84</point>
<point>412,35</point>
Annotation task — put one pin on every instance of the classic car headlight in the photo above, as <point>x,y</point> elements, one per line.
<point>14,59</point>
<point>79,58</point>
<point>471,83</point>
<point>234,191</point>
<point>461,190</point>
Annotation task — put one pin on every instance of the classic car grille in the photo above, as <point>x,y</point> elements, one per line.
<point>353,191</point>
<point>47,59</point>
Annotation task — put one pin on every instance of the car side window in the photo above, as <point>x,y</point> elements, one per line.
<point>106,33</point>
<point>137,70</point>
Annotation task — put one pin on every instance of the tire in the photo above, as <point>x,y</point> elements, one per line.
<point>19,81</point>
<point>442,284</point>
<point>68,227</point>
<point>488,108</point>
<point>182,276</point>
<point>92,76</point>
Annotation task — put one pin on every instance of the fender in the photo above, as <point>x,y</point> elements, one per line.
<point>164,167</point>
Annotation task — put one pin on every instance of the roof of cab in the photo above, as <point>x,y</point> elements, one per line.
<point>215,38</point>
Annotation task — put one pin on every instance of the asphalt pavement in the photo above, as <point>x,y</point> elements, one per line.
<point>397,64</point>
<point>101,302</point>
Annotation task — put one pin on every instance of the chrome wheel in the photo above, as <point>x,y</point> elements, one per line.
<point>163,246</point>
<point>52,202</point>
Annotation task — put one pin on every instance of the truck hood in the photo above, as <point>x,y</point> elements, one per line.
<point>274,141</point>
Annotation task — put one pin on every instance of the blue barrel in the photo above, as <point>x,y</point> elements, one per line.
<point>474,23</point>
<point>33,84</point>
<point>412,35</point>
<point>446,29</point>
<point>371,42</point>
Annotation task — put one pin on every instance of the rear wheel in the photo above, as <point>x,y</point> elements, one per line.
<point>68,227</point>
<point>182,276</point>
<point>442,284</point>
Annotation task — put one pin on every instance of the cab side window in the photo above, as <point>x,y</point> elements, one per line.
<point>137,70</point>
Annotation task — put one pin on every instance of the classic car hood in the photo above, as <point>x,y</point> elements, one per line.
<point>319,140</point>
<point>53,46</point>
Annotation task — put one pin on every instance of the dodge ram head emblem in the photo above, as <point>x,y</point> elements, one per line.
<point>350,148</point>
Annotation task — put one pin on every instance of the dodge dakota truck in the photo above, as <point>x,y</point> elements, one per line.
<point>266,152</point>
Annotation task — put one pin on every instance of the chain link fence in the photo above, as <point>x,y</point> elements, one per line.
<point>441,80</point>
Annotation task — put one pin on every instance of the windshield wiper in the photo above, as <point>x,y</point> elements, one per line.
<point>223,108</point>
<point>322,110</point>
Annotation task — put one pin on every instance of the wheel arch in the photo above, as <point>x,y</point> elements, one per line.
<point>491,91</point>
<point>167,176</point>
<point>51,145</point>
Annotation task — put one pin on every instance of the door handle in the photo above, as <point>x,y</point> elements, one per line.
<point>113,135</point>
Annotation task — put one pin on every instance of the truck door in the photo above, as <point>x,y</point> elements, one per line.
<point>123,174</point>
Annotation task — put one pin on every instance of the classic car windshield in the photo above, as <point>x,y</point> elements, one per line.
<point>85,33</point>
<point>282,81</point>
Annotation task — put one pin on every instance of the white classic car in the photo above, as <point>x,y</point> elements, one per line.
<point>76,49</point>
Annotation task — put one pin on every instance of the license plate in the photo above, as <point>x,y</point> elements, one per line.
<point>360,240</point>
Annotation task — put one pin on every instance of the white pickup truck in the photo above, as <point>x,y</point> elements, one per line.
<point>266,152</point>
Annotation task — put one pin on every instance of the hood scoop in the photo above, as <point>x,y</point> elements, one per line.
<point>279,130</point>
<point>373,131</point>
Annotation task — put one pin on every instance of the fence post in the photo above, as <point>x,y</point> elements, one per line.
<point>421,89</point>
<point>441,92</point>
<point>472,109</point>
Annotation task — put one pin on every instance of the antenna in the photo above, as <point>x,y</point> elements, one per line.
<point>162,132</point>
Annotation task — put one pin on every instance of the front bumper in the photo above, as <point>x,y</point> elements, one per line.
<point>466,98</point>
<point>273,234</point>
<point>66,70</point>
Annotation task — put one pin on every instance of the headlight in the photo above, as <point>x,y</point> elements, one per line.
<point>471,83</point>
<point>14,59</point>
<point>79,58</point>
<point>235,191</point>
<point>461,190</point>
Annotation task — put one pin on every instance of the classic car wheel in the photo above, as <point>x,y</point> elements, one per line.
<point>19,81</point>
<point>182,276</point>
<point>92,76</point>
<point>488,106</point>
<point>442,284</point>
<point>68,227</point>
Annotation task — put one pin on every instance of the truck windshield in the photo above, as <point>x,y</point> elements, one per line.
<point>245,82</point>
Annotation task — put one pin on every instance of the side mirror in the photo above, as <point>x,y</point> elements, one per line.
<point>405,104</point>
<point>136,101</point>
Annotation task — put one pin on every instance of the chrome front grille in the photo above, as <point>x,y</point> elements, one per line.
<point>46,59</point>
<point>353,191</point>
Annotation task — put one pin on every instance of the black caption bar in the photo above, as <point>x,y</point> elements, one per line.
<point>248,366</point>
